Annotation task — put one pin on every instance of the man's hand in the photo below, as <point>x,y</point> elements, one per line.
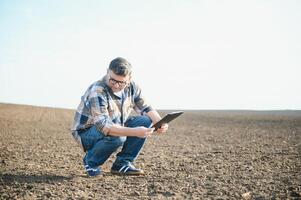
<point>154,115</point>
<point>143,132</point>
<point>162,129</point>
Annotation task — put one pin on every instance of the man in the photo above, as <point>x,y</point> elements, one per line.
<point>102,122</point>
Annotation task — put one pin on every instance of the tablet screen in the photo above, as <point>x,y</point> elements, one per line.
<point>167,118</point>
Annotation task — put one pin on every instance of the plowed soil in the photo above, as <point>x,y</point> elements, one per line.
<point>204,155</point>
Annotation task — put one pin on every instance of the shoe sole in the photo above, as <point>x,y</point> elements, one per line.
<point>94,175</point>
<point>127,173</point>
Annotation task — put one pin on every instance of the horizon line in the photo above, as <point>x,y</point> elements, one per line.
<point>161,109</point>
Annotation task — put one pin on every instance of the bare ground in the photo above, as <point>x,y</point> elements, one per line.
<point>204,155</point>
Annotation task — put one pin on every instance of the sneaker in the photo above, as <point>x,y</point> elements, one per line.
<point>126,170</point>
<point>90,170</point>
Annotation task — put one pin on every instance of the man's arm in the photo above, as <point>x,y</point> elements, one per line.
<point>117,130</point>
<point>154,115</point>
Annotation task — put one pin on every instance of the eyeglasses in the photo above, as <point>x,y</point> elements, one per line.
<point>120,83</point>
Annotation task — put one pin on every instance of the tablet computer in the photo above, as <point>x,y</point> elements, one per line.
<point>167,118</point>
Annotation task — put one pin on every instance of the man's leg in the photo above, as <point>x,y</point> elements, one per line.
<point>133,145</point>
<point>98,146</point>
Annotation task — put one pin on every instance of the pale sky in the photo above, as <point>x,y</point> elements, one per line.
<point>185,54</point>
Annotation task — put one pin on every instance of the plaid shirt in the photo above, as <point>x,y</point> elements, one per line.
<point>99,106</point>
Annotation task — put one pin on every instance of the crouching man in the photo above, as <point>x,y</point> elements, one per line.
<point>102,122</point>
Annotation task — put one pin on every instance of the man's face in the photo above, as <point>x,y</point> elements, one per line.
<point>116,82</point>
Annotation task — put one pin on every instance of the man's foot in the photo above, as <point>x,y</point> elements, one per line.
<point>91,171</point>
<point>126,170</point>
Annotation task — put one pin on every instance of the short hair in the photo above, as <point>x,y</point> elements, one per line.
<point>121,67</point>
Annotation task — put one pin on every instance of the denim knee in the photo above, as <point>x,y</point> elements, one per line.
<point>146,121</point>
<point>136,121</point>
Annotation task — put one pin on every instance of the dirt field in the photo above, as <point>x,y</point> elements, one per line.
<point>204,155</point>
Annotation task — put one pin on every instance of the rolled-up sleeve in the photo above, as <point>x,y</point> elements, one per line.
<point>141,105</point>
<point>100,112</point>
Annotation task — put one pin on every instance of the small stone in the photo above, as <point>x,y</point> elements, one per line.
<point>29,187</point>
<point>247,195</point>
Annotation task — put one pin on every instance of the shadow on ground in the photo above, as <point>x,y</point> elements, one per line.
<point>9,179</point>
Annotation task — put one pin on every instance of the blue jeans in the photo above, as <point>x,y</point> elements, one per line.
<point>99,147</point>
